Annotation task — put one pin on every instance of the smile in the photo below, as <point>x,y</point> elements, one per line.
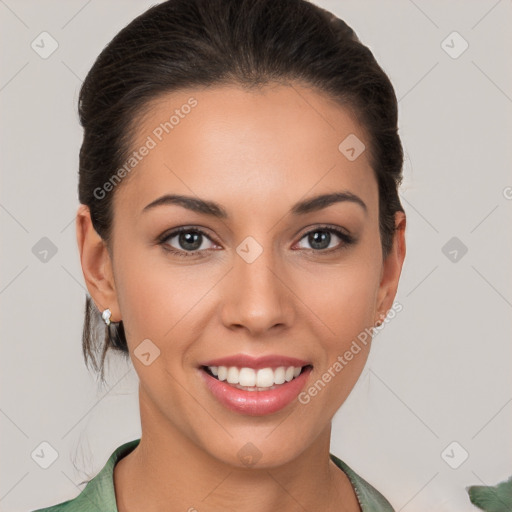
<point>250,379</point>
<point>255,387</point>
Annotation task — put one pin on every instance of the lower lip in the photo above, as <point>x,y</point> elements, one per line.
<point>256,403</point>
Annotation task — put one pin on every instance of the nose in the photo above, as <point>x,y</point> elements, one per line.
<point>257,296</point>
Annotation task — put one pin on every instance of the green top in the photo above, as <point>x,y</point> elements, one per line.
<point>98,494</point>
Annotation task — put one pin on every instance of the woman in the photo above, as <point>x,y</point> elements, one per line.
<point>239,231</point>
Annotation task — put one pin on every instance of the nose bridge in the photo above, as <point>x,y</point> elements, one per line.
<point>258,300</point>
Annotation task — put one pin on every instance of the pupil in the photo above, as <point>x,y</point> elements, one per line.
<point>317,241</point>
<point>190,240</point>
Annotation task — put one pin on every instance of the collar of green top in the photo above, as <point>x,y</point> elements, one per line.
<point>99,495</point>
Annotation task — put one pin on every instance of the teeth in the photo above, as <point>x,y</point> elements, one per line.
<point>222,372</point>
<point>265,378</point>
<point>247,377</point>
<point>262,378</point>
<point>279,374</point>
<point>233,374</point>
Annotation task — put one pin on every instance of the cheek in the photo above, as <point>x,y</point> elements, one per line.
<point>146,294</point>
<point>345,309</point>
<point>343,300</point>
<point>342,297</point>
<point>161,301</point>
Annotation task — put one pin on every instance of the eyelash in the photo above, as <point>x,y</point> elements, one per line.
<point>347,240</point>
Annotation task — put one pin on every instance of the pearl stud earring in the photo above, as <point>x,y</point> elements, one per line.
<point>106,316</point>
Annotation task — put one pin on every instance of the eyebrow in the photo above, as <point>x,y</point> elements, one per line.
<point>213,209</point>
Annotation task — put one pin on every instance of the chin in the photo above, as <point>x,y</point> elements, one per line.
<point>257,448</point>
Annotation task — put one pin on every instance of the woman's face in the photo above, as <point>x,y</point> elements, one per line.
<point>267,279</point>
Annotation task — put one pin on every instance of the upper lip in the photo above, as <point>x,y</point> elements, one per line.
<point>247,361</point>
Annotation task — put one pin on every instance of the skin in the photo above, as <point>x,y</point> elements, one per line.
<point>251,151</point>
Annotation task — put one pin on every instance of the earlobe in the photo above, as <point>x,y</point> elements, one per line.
<point>96,264</point>
<point>391,269</point>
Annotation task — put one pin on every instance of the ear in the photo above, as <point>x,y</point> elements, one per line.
<point>391,269</point>
<point>96,264</point>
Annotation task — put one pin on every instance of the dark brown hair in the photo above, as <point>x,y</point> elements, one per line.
<point>185,43</point>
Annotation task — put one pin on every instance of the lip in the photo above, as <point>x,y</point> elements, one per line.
<point>255,403</point>
<point>247,361</point>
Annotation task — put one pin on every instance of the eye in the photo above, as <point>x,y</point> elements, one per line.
<point>193,242</point>
<point>321,239</point>
<point>188,241</point>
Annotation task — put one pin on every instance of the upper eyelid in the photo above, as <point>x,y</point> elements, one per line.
<point>175,232</point>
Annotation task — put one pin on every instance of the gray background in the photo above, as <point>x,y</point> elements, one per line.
<point>438,372</point>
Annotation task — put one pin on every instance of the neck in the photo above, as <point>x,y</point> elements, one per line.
<point>168,472</point>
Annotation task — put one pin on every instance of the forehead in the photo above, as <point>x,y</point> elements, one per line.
<point>266,146</point>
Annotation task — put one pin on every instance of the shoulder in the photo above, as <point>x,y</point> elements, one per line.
<point>369,498</point>
<point>99,492</point>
